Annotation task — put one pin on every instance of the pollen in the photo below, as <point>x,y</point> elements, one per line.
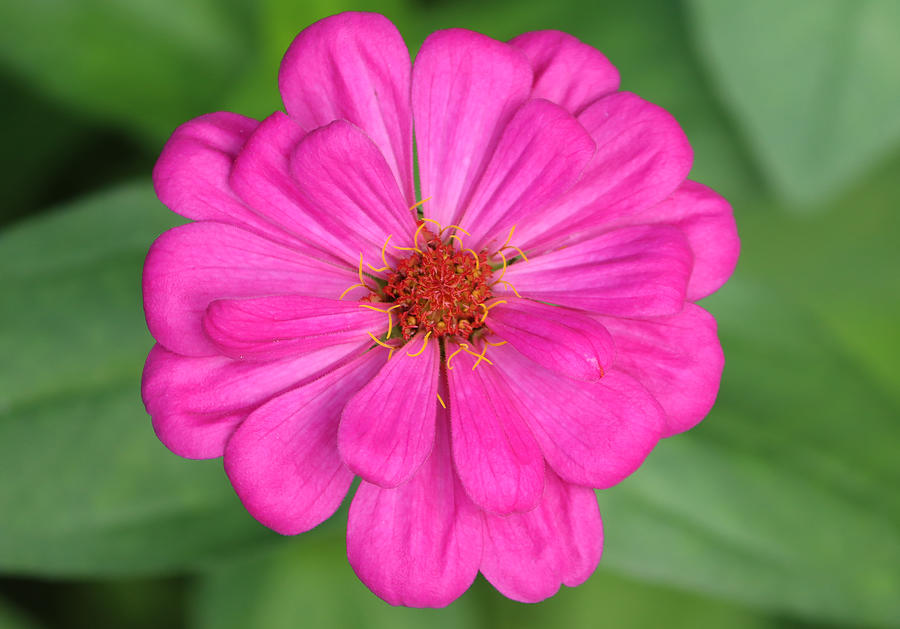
<point>440,289</point>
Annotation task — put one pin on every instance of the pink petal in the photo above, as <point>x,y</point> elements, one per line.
<point>540,155</point>
<point>283,460</point>
<point>591,433</point>
<point>678,359</point>
<point>355,67</point>
<point>567,71</point>
<point>528,555</point>
<point>192,265</point>
<point>191,175</point>
<point>262,177</point>
<point>639,271</point>
<point>642,157</point>
<point>708,222</point>
<point>465,88</point>
<point>497,458</point>
<point>562,340</point>
<point>387,429</point>
<point>343,175</point>
<point>418,545</point>
<point>280,326</point>
<point>196,403</point>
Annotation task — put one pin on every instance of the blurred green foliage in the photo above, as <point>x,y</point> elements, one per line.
<point>781,506</point>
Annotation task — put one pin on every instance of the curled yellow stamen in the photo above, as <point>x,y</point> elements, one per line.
<point>503,272</point>
<point>508,237</point>
<point>458,350</point>
<point>456,227</point>
<point>431,220</point>
<point>495,344</point>
<point>384,261</point>
<point>497,303</point>
<point>351,288</point>
<point>388,312</point>
<point>380,342</point>
<point>452,236</point>
<point>415,246</point>
<point>415,205</point>
<point>424,345</point>
<point>521,253</point>
<point>513,288</point>
<point>474,255</point>
<point>361,280</point>
<point>484,318</point>
<point>441,401</point>
<point>481,357</point>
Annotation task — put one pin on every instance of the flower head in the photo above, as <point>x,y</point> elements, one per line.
<point>483,356</point>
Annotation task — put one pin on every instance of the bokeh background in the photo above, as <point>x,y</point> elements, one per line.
<point>782,509</point>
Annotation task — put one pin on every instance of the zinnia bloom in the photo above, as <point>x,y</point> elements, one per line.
<point>482,356</point>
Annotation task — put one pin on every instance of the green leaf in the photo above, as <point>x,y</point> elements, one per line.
<point>815,85</point>
<point>306,583</point>
<point>148,64</point>
<point>12,618</point>
<point>783,497</point>
<point>91,491</point>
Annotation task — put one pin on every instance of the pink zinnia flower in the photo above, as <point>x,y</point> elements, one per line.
<point>482,357</point>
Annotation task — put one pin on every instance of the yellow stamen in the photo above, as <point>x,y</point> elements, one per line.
<point>508,237</point>
<point>415,246</point>
<point>484,318</point>
<point>480,357</point>
<point>475,255</point>
<point>521,253</point>
<point>424,345</point>
<point>431,220</point>
<point>361,280</point>
<point>386,266</point>
<point>458,350</point>
<point>441,401</point>
<point>382,343</point>
<point>497,303</point>
<point>495,344</point>
<point>351,288</point>
<point>457,227</point>
<point>452,236</point>
<point>415,205</point>
<point>502,273</point>
<point>513,288</point>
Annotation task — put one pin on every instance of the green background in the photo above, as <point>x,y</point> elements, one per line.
<point>782,509</point>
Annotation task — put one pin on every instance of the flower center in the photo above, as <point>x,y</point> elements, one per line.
<point>440,289</point>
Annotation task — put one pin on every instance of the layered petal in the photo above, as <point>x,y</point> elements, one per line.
<point>192,265</point>
<point>540,155</point>
<point>567,71</point>
<point>528,555</point>
<point>497,458</point>
<point>678,359</point>
<point>191,175</point>
<point>387,429</point>
<point>196,402</point>
<point>639,271</point>
<point>262,178</point>
<point>353,192</point>
<point>465,88</point>
<point>283,460</point>
<point>706,219</point>
<point>280,326</point>
<point>562,340</point>
<point>354,67</point>
<point>420,544</point>
<point>642,157</point>
<point>590,433</point>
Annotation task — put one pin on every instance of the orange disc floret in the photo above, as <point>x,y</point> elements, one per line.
<point>440,289</point>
